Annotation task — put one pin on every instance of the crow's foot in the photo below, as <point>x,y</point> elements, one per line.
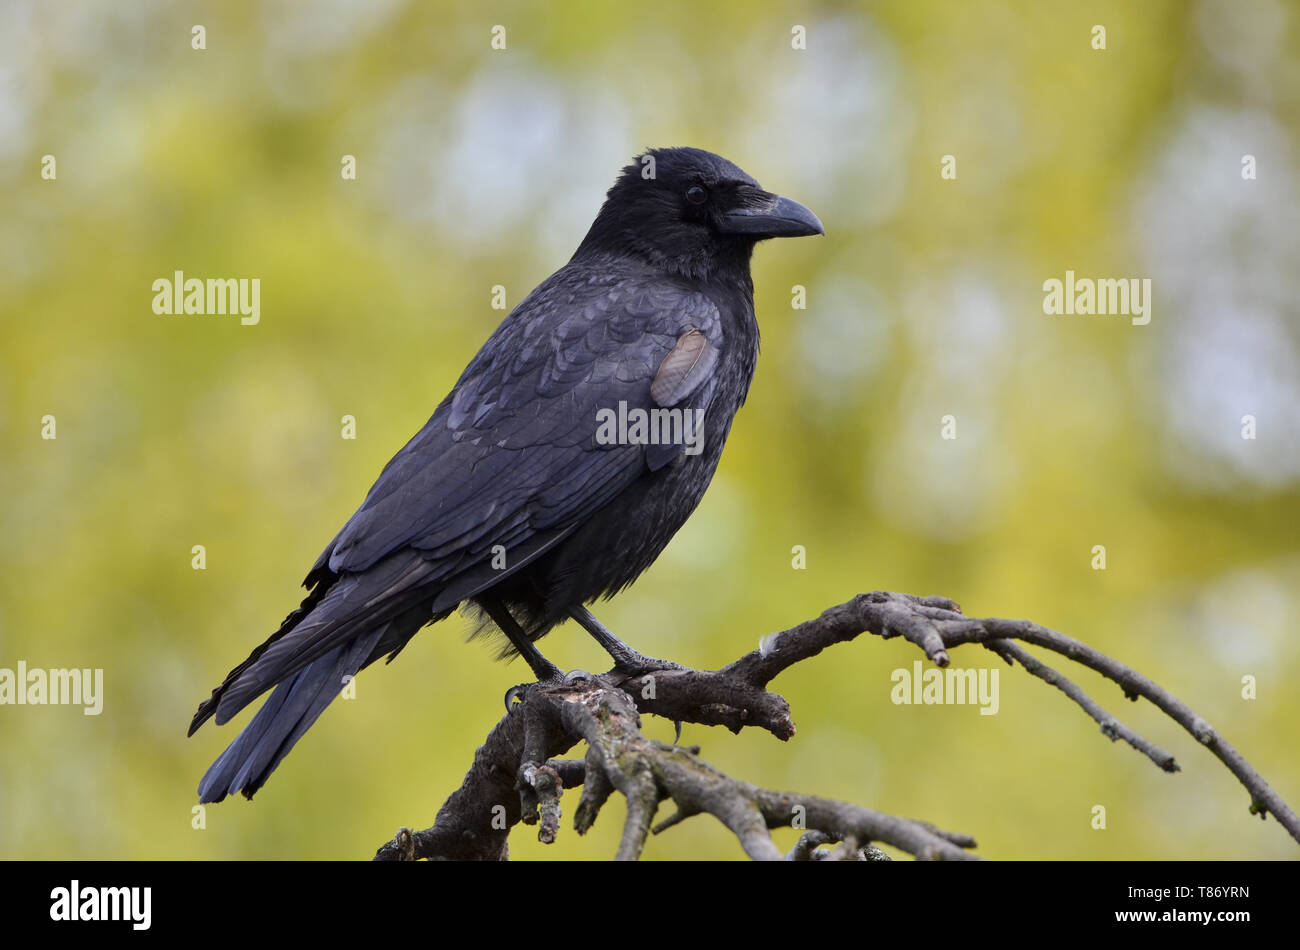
<point>515,694</point>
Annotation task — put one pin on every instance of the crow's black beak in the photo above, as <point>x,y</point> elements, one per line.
<point>765,215</point>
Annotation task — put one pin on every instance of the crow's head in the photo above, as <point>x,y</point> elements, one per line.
<point>691,212</point>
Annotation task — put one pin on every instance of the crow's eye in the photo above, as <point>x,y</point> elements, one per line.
<point>696,195</point>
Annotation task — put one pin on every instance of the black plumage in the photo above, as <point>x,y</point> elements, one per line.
<point>655,311</point>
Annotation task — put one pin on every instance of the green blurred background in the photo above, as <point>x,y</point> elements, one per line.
<point>479,167</point>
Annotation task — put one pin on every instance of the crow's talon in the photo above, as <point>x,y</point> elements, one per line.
<point>515,694</point>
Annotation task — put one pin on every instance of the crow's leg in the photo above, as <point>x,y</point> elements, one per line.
<point>542,668</point>
<point>626,660</point>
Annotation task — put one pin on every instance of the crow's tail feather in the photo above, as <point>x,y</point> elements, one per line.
<point>287,713</point>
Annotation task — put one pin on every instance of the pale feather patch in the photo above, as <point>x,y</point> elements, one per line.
<point>683,369</point>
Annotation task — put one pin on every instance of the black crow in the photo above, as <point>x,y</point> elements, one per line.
<point>533,489</point>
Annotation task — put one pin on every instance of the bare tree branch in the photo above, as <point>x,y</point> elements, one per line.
<point>1111,727</point>
<point>516,777</point>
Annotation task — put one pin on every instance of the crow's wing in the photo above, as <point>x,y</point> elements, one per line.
<point>512,451</point>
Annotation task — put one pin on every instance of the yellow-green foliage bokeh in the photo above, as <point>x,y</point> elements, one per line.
<point>479,167</point>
